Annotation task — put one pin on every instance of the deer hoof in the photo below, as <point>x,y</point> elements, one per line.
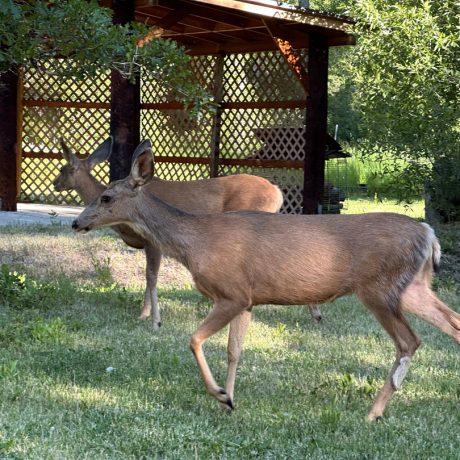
<point>226,408</point>
<point>156,325</point>
<point>374,417</point>
<point>225,400</point>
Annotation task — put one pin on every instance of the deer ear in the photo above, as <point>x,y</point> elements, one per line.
<point>102,153</point>
<point>67,153</point>
<point>142,164</point>
<point>142,147</point>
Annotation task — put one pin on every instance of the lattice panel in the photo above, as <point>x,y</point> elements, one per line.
<point>202,68</point>
<point>250,133</point>
<point>175,132</point>
<point>260,77</point>
<point>37,178</point>
<point>181,171</point>
<point>82,128</point>
<point>36,182</point>
<point>262,134</point>
<point>45,85</point>
<point>170,140</point>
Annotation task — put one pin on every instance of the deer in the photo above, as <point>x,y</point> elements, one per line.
<point>220,194</point>
<point>241,259</point>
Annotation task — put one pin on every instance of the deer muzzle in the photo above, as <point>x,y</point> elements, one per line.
<point>79,228</point>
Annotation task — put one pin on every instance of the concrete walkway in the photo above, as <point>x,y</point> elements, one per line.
<point>44,214</point>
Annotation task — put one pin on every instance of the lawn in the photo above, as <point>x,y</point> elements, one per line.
<point>82,378</point>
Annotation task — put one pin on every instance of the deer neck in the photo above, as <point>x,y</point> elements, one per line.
<point>88,188</point>
<point>171,229</point>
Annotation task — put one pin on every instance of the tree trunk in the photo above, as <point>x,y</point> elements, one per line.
<point>125,117</point>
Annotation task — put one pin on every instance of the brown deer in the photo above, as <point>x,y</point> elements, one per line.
<point>246,258</point>
<point>203,196</point>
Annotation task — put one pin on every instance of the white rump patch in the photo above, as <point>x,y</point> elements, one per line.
<point>400,372</point>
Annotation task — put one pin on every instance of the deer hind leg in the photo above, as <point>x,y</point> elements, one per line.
<point>150,307</point>
<point>420,300</point>
<point>238,329</point>
<point>315,313</point>
<point>222,313</point>
<point>406,343</point>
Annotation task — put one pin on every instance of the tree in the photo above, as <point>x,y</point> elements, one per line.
<point>407,78</point>
<point>404,76</point>
<point>34,33</point>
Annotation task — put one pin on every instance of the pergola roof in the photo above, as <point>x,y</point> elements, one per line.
<point>226,26</point>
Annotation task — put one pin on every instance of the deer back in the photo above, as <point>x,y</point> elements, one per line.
<point>229,193</point>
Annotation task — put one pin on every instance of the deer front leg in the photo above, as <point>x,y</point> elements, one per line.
<point>222,313</point>
<point>150,307</point>
<point>238,329</point>
<point>315,313</point>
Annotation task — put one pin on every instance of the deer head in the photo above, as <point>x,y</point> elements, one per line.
<point>116,202</point>
<point>76,170</point>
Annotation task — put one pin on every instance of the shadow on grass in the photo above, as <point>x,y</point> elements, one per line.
<point>304,387</point>
<point>102,331</point>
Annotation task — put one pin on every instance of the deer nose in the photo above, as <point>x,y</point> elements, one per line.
<point>75,224</point>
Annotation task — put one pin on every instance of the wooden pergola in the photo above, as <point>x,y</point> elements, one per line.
<point>209,28</point>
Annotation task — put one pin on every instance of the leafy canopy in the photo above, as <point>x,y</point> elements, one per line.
<point>34,33</point>
<point>401,85</point>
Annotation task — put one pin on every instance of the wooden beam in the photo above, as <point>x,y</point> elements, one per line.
<point>195,48</point>
<point>198,49</point>
<point>125,120</point>
<point>289,54</point>
<point>295,104</point>
<point>316,125</point>
<point>66,104</point>
<point>250,163</point>
<point>274,10</point>
<point>8,144</point>
<point>174,17</point>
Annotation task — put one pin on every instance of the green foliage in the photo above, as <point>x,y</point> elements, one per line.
<point>396,92</point>
<point>407,78</point>
<point>444,187</point>
<point>6,445</point>
<point>103,272</point>
<point>8,369</point>
<point>331,416</point>
<point>21,292</point>
<point>54,330</point>
<point>34,33</point>
<point>280,329</point>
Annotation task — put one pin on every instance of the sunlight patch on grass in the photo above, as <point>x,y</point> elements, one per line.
<point>90,396</point>
<point>364,205</point>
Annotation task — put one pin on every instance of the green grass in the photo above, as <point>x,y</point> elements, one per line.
<point>359,205</point>
<point>303,390</point>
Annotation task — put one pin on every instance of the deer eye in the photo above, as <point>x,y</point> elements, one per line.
<point>105,199</point>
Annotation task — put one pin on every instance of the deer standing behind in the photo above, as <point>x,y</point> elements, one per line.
<point>246,258</point>
<point>228,193</point>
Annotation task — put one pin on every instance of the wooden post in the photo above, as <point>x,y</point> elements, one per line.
<point>8,140</point>
<point>216,121</point>
<point>19,123</point>
<point>316,125</point>
<point>125,117</point>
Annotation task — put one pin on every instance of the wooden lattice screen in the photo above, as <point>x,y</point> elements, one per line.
<point>260,125</point>
<point>53,108</point>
